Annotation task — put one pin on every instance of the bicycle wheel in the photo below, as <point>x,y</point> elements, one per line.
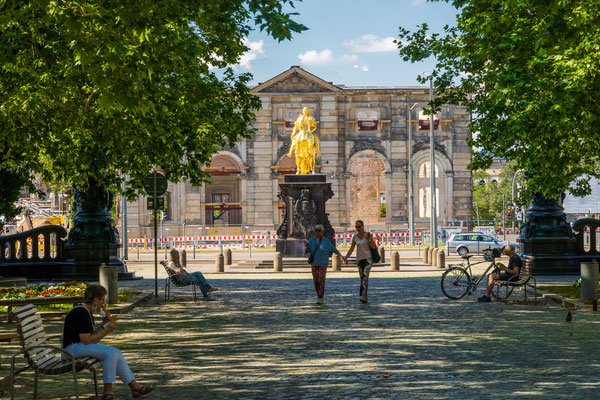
<point>456,282</point>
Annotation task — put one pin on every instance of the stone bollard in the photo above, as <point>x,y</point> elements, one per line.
<point>336,262</point>
<point>589,280</point>
<point>433,258</point>
<point>183,258</point>
<point>219,267</point>
<point>381,251</point>
<point>277,263</point>
<point>441,260</point>
<point>395,261</point>
<point>228,257</point>
<point>426,255</point>
<point>429,255</point>
<point>109,279</point>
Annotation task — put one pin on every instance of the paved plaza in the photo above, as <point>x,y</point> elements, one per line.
<point>264,337</point>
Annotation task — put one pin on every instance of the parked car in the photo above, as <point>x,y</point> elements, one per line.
<point>472,242</point>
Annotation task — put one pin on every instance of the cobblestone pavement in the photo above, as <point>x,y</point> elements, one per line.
<point>267,339</point>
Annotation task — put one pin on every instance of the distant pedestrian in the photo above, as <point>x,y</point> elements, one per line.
<point>320,248</point>
<point>363,241</point>
<point>187,278</point>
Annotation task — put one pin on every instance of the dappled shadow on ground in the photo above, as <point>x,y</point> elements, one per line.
<point>267,339</point>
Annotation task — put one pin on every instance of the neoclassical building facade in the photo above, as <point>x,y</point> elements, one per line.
<point>363,133</point>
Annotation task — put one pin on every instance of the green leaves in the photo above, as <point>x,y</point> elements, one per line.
<point>95,89</point>
<point>528,71</point>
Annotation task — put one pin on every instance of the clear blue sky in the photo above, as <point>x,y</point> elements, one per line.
<point>348,42</point>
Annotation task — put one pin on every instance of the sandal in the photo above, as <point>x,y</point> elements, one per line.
<point>142,390</point>
<point>109,397</point>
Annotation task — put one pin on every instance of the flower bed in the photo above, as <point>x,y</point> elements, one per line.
<point>70,288</point>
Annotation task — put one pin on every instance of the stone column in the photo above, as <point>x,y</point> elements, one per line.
<point>277,263</point>
<point>336,262</point>
<point>219,267</point>
<point>395,261</point>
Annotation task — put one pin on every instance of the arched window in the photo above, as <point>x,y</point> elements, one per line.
<point>425,170</point>
<point>425,202</point>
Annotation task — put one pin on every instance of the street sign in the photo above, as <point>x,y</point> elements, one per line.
<point>503,217</point>
<point>159,206</point>
<point>510,205</point>
<point>155,184</point>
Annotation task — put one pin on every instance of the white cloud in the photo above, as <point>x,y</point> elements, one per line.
<point>314,58</point>
<point>256,51</point>
<point>350,59</point>
<point>371,44</point>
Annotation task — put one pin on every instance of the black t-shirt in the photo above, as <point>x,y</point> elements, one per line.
<point>515,261</point>
<point>78,320</point>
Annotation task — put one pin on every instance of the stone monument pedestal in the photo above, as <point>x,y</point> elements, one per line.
<point>93,239</point>
<point>304,197</point>
<point>548,237</point>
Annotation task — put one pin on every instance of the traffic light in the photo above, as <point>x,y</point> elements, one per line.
<point>508,212</point>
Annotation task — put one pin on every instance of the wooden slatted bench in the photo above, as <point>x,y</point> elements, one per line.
<point>41,356</point>
<point>10,303</point>
<point>525,278</point>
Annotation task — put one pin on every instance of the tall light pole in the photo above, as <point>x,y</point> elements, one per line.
<point>124,219</point>
<point>432,190</point>
<point>513,196</point>
<point>411,172</point>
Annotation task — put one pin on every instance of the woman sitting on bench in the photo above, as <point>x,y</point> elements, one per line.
<point>81,339</point>
<point>185,277</point>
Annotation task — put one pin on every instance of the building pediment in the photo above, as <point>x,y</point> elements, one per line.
<point>296,80</point>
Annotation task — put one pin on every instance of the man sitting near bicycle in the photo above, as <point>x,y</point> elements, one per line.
<point>505,273</point>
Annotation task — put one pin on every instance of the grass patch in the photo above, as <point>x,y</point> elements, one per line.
<point>570,292</point>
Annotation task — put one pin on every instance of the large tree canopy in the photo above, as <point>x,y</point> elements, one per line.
<point>94,89</point>
<point>529,71</point>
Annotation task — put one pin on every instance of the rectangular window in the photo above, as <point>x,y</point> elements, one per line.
<point>424,121</point>
<point>290,118</point>
<point>368,120</point>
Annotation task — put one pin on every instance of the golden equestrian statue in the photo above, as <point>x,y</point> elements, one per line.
<point>305,143</point>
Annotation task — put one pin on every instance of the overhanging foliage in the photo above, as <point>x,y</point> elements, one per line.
<point>94,89</point>
<point>529,72</point>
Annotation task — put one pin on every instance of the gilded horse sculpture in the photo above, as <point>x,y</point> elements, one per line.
<point>305,143</point>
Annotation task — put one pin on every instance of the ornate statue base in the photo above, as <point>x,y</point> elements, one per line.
<point>93,238</point>
<point>304,197</point>
<point>548,237</point>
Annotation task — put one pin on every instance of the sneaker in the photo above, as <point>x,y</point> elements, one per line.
<point>212,289</point>
<point>208,298</point>
<point>320,300</point>
<point>364,299</point>
<point>484,299</point>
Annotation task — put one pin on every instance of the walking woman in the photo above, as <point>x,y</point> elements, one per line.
<point>363,242</point>
<point>320,248</point>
